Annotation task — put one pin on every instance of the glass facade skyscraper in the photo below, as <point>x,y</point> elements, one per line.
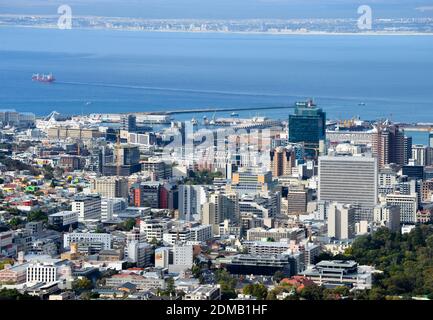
<point>308,126</point>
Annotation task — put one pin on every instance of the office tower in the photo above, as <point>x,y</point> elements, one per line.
<point>126,161</point>
<point>88,241</point>
<point>146,194</point>
<point>162,257</point>
<point>219,207</point>
<point>64,220</point>
<point>349,180</point>
<point>158,168</point>
<point>407,149</point>
<point>182,257</point>
<point>296,201</point>
<point>251,181</point>
<point>129,122</point>
<point>388,144</point>
<point>87,206</point>
<point>388,216</point>
<point>111,187</point>
<point>413,171</point>
<point>139,253</point>
<point>420,154</point>
<point>341,221</point>
<point>191,198</point>
<point>408,204</point>
<point>308,126</point>
<point>282,161</point>
<point>110,206</point>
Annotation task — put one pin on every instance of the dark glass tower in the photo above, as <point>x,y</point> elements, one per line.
<point>308,126</point>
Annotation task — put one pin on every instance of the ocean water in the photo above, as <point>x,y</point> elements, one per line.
<point>122,71</point>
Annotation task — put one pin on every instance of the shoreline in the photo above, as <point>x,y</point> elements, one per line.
<point>273,33</point>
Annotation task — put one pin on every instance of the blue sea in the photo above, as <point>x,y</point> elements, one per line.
<point>121,71</point>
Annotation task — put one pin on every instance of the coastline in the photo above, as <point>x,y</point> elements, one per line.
<point>273,33</point>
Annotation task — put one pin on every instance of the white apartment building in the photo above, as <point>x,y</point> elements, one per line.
<point>408,205</point>
<point>341,221</point>
<point>110,206</point>
<point>101,239</point>
<point>88,207</point>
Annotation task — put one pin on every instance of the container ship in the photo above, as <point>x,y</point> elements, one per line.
<point>43,77</point>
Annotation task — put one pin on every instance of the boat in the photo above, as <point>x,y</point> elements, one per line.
<point>361,104</point>
<point>43,77</point>
<point>234,114</point>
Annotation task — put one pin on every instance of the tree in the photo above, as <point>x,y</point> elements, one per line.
<point>278,276</point>
<point>127,225</point>
<point>5,262</point>
<point>37,216</point>
<point>14,294</point>
<point>311,292</point>
<point>196,271</point>
<point>258,290</point>
<point>227,283</point>
<point>15,222</point>
<point>170,287</point>
<point>82,284</point>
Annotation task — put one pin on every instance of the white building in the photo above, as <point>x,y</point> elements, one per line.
<point>102,240</point>
<point>88,207</point>
<point>408,205</point>
<point>388,216</point>
<point>201,233</point>
<point>139,253</point>
<point>341,221</point>
<point>349,180</point>
<point>162,257</point>
<point>183,256</point>
<point>191,199</point>
<point>111,206</point>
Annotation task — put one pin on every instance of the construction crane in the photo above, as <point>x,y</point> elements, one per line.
<point>118,160</point>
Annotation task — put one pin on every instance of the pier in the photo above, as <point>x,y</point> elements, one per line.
<point>209,110</point>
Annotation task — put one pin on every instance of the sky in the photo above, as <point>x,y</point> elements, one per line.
<point>223,9</point>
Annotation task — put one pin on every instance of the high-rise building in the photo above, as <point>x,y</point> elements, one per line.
<point>296,201</point>
<point>408,204</point>
<point>341,221</point>
<point>191,198</point>
<point>220,206</point>
<point>129,122</point>
<point>126,161</point>
<point>139,253</point>
<point>146,194</point>
<point>420,154</point>
<point>349,180</point>
<point>282,161</point>
<point>110,206</point>
<point>251,180</point>
<point>407,149</point>
<point>87,206</point>
<point>162,257</point>
<point>111,187</point>
<point>308,126</point>
<point>388,216</point>
<point>388,144</point>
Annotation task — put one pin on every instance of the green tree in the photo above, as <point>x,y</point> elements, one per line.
<point>278,276</point>
<point>312,292</point>
<point>258,290</point>
<point>82,284</point>
<point>37,215</point>
<point>15,222</point>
